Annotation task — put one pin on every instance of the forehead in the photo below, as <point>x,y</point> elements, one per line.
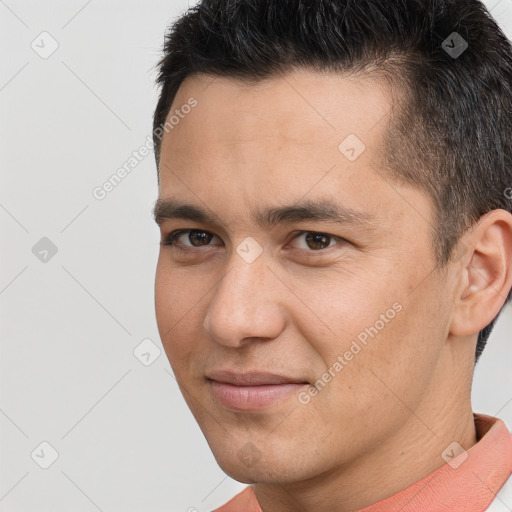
<point>300,116</point>
<point>306,107</point>
<point>305,133</point>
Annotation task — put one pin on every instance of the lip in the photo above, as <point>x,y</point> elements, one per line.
<point>252,390</point>
<point>252,378</point>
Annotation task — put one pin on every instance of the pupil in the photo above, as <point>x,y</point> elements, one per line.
<point>200,236</point>
<point>318,238</point>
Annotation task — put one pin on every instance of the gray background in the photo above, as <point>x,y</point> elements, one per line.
<point>70,323</point>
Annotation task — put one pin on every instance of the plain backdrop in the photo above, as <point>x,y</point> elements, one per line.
<point>77,96</point>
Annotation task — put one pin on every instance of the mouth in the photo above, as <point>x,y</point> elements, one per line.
<point>252,390</point>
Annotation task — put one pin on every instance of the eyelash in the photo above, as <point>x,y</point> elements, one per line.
<point>171,239</point>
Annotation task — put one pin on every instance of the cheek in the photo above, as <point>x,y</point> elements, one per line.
<point>179,309</point>
<point>367,380</point>
<point>342,308</point>
<point>174,295</point>
<point>393,357</point>
<point>363,329</point>
<point>172,312</point>
<point>164,299</point>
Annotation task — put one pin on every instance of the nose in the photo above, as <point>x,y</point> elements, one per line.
<point>246,304</point>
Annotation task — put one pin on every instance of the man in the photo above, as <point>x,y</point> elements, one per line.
<point>336,247</point>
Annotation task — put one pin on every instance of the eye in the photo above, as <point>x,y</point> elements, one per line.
<point>315,241</point>
<point>188,238</point>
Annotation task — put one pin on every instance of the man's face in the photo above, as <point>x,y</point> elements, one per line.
<point>353,302</point>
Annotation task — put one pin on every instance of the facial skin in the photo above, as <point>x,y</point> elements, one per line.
<point>384,419</point>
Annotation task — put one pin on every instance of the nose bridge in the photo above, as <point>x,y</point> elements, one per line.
<point>243,305</point>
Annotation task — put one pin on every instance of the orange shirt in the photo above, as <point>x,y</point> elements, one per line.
<point>468,483</point>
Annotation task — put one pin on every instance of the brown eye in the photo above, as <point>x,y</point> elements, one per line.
<point>189,238</point>
<point>198,238</point>
<point>315,241</point>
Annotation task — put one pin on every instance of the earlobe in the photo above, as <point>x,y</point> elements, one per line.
<point>487,277</point>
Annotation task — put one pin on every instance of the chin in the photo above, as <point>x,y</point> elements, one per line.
<point>265,465</point>
<point>261,474</point>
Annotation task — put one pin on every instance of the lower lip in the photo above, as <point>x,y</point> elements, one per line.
<point>244,398</point>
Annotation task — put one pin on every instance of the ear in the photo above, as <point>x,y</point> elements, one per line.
<point>486,273</point>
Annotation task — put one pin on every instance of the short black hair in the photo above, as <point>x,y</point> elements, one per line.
<point>452,133</point>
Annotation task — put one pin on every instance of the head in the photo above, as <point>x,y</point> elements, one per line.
<point>340,179</point>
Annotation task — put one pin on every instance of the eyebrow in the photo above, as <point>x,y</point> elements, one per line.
<point>310,210</point>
